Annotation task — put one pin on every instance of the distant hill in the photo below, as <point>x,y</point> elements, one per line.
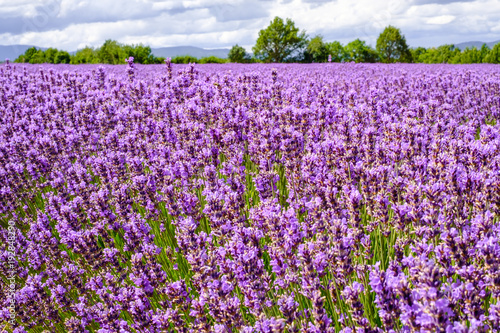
<point>477,44</point>
<point>197,52</point>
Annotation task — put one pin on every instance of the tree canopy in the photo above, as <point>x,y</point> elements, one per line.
<point>317,50</point>
<point>440,55</point>
<point>111,52</point>
<point>281,41</point>
<point>87,55</point>
<point>359,51</point>
<point>337,51</point>
<point>493,56</point>
<point>238,54</point>
<point>62,57</point>
<point>392,47</point>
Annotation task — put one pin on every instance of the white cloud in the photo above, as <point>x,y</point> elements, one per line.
<point>71,24</point>
<point>443,19</point>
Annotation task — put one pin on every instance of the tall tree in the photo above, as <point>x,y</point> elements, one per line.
<point>337,51</point>
<point>317,50</point>
<point>87,55</point>
<point>28,54</point>
<point>468,56</point>
<point>50,55</point>
<point>238,54</point>
<point>111,52</point>
<point>493,56</point>
<point>62,57</point>
<point>142,54</point>
<point>37,58</point>
<point>358,51</point>
<point>417,53</point>
<point>280,42</point>
<point>484,51</point>
<point>392,47</point>
<point>443,54</point>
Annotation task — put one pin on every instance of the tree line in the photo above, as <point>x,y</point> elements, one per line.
<point>111,52</point>
<point>281,41</point>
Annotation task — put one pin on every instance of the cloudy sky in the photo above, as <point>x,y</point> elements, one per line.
<point>73,24</point>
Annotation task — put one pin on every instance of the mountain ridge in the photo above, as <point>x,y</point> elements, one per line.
<point>476,44</point>
<point>198,52</point>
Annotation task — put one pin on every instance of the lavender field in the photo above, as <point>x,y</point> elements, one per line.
<point>250,198</point>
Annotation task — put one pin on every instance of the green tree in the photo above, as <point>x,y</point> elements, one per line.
<point>37,58</point>
<point>280,42</point>
<point>471,55</point>
<point>50,55</point>
<point>337,51</point>
<point>417,53</point>
<point>212,60</point>
<point>484,51</point>
<point>186,59</point>
<point>316,50</point>
<point>238,54</point>
<point>111,52</point>
<point>28,54</point>
<point>392,47</point>
<point>358,51</point>
<point>493,56</point>
<point>141,53</point>
<point>62,57</point>
<point>467,56</point>
<point>443,54</point>
<point>87,55</point>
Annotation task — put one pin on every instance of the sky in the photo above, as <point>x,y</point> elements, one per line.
<point>72,24</point>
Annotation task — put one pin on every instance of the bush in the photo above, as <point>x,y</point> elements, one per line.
<point>212,60</point>
<point>185,59</point>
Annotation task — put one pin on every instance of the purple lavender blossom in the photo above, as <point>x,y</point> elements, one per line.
<point>249,198</point>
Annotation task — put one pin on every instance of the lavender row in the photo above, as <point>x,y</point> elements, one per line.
<point>250,198</point>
